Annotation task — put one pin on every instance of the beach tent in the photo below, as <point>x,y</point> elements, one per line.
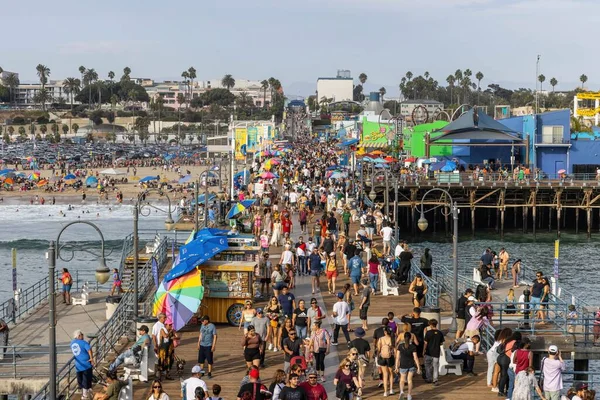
<point>112,171</point>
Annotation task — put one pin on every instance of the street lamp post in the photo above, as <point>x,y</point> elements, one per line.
<point>102,275</point>
<point>423,224</point>
<point>136,212</point>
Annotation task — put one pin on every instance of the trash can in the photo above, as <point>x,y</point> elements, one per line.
<point>432,313</point>
<point>112,302</point>
<point>147,320</point>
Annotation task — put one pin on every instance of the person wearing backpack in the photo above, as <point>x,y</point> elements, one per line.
<point>253,390</point>
<point>385,351</point>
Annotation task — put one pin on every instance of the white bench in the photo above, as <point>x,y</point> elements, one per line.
<point>386,286</point>
<point>83,298</point>
<point>477,276</point>
<point>152,246</point>
<point>449,364</point>
<point>126,392</point>
<point>141,371</point>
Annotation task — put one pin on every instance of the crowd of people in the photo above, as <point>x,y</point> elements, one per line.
<point>401,352</point>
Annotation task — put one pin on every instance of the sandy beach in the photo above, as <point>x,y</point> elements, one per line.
<point>130,189</point>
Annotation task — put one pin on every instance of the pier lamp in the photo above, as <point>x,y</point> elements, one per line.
<point>140,204</point>
<point>423,224</point>
<point>102,274</point>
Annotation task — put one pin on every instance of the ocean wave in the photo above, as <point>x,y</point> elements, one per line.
<point>38,244</point>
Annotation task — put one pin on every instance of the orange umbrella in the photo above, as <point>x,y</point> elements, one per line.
<point>390,159</point>
<point>9,181</point>
<point>41,183</point>
<point>377,152</point>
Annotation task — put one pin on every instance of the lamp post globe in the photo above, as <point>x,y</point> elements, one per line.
<point>372,194</point>
<point>422,223</point>
<point>102,272</point>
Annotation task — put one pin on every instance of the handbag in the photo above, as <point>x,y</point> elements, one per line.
<point>541,378</point>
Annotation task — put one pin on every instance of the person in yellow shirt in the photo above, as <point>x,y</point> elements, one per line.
<point>504,257</point>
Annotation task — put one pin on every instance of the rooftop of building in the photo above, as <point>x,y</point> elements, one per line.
<point>417,101</point>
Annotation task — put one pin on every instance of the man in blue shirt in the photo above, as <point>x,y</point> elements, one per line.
<point>135,350</point>
<point>355,266</point>
<point>211,216</point>
<point>207,341</point>
<point>84,361</point>
<point>287,301</point>
<point>314,266</point>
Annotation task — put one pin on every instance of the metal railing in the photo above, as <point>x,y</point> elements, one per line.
<point>118,326</point>
<point>28,360</point>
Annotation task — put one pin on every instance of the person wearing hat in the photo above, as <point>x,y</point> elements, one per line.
<point>135,350</point>
<point>254,389</point>
<point>207,342</point>
<point>313,389</point>
<point>361,345</point>
<point>188,387</point>
<point>341,310</point>
<point>461,310</point>
<point>552,368</point>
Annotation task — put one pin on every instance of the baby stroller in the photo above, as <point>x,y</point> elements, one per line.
<point>299,360</point>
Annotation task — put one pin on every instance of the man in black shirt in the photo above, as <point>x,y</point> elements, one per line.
<point>349,251</point>
<point>332,225</point>
<point>461,307</point>
<point>328,244</point>
<point>291,391</point>
<point>291,348</point>
<point>433,340</point>
<point>417,327</point>
<point>257,390</point>
<point>360,344</point>
<point>536,292</point>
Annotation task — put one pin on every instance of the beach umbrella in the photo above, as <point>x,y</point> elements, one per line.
<point>91,181</point>
<point>185,179</point>
<point>6,171</point>
<point>392,159</point>
<point>179,298</point>
<point>148,179</point>
<point>70,176</point>
<point>70,181</point>
<point>41,183</point>
<point>35,175</point>
<point>561,171</point>
<point>240,207</point>
<point>197,252</point>
<point>9,181</point>
<point>211,197</point>
<point>268,175</point>
<point>338,175</point>
<point>377,152</point>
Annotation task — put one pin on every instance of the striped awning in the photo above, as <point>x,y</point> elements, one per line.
<point>374,145</point>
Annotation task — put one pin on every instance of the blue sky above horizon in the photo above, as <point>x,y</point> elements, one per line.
<point>299,41</point>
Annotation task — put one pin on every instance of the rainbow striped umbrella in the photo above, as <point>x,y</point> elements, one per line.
<point>180,298</point>
<point>35,175</point>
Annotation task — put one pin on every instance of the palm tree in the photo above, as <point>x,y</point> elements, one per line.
<point>180,100</point>
<point>479,77</point>
<point>12,81</point>
<point>126,74</point>
<point>192,75</point>
<point>65,129</point>
<point>382,92</point>
<point>409,75</point>
<point>72,86</point>
<point>75,128</point>
<point>553,82</point>
<point>583,79</point>
<point>43,73</point>
<point>467,72</point>
<point>89,78</point>
<point>82,71</point>
<point>264,85</point>
<point>542,79</point>
<point>426,74</point>
<point>362,78</point>
<point>228,81</point>
<point>450,79</point>
<point>186,80</point>
<point>42,97</point>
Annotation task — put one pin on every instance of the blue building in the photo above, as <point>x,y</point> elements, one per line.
<point>549,134</point>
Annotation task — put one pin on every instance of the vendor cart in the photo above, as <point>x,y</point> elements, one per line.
<point>227,285</point>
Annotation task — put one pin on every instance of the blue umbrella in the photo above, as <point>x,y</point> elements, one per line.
<point>148,179</point>
<point>195,253</point>
<point>91,181</point>
<point>382,166</point>
<point>185,179</point>
<point>6,171</point>
<point>240,207</point>
<point>211,197</point>
<point>70,176</point>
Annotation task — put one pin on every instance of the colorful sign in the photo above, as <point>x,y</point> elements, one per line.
<point>252,138</point>
<point>241,140</point>
<point>375,134</point>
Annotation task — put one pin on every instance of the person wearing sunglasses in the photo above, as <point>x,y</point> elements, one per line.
<point>313,389</point>
<point>157,392</point>
<point>292,347</point>
<point>345,381</point>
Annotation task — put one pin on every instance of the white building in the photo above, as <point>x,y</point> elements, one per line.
<point>25,93</point>
<point>432,106</point>
<point>339,88</point>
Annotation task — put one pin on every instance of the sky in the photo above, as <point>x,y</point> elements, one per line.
<point>299,41</point>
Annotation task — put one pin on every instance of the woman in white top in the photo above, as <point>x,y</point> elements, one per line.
<point>276,238</point>
<point>157,391</point>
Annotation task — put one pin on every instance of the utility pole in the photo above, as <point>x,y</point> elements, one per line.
<point>196,216</point>
<point>537,74</point>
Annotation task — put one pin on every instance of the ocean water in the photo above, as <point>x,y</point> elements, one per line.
<point>29,229</point>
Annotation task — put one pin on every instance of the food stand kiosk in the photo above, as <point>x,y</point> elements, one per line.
<point>227,285</point>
